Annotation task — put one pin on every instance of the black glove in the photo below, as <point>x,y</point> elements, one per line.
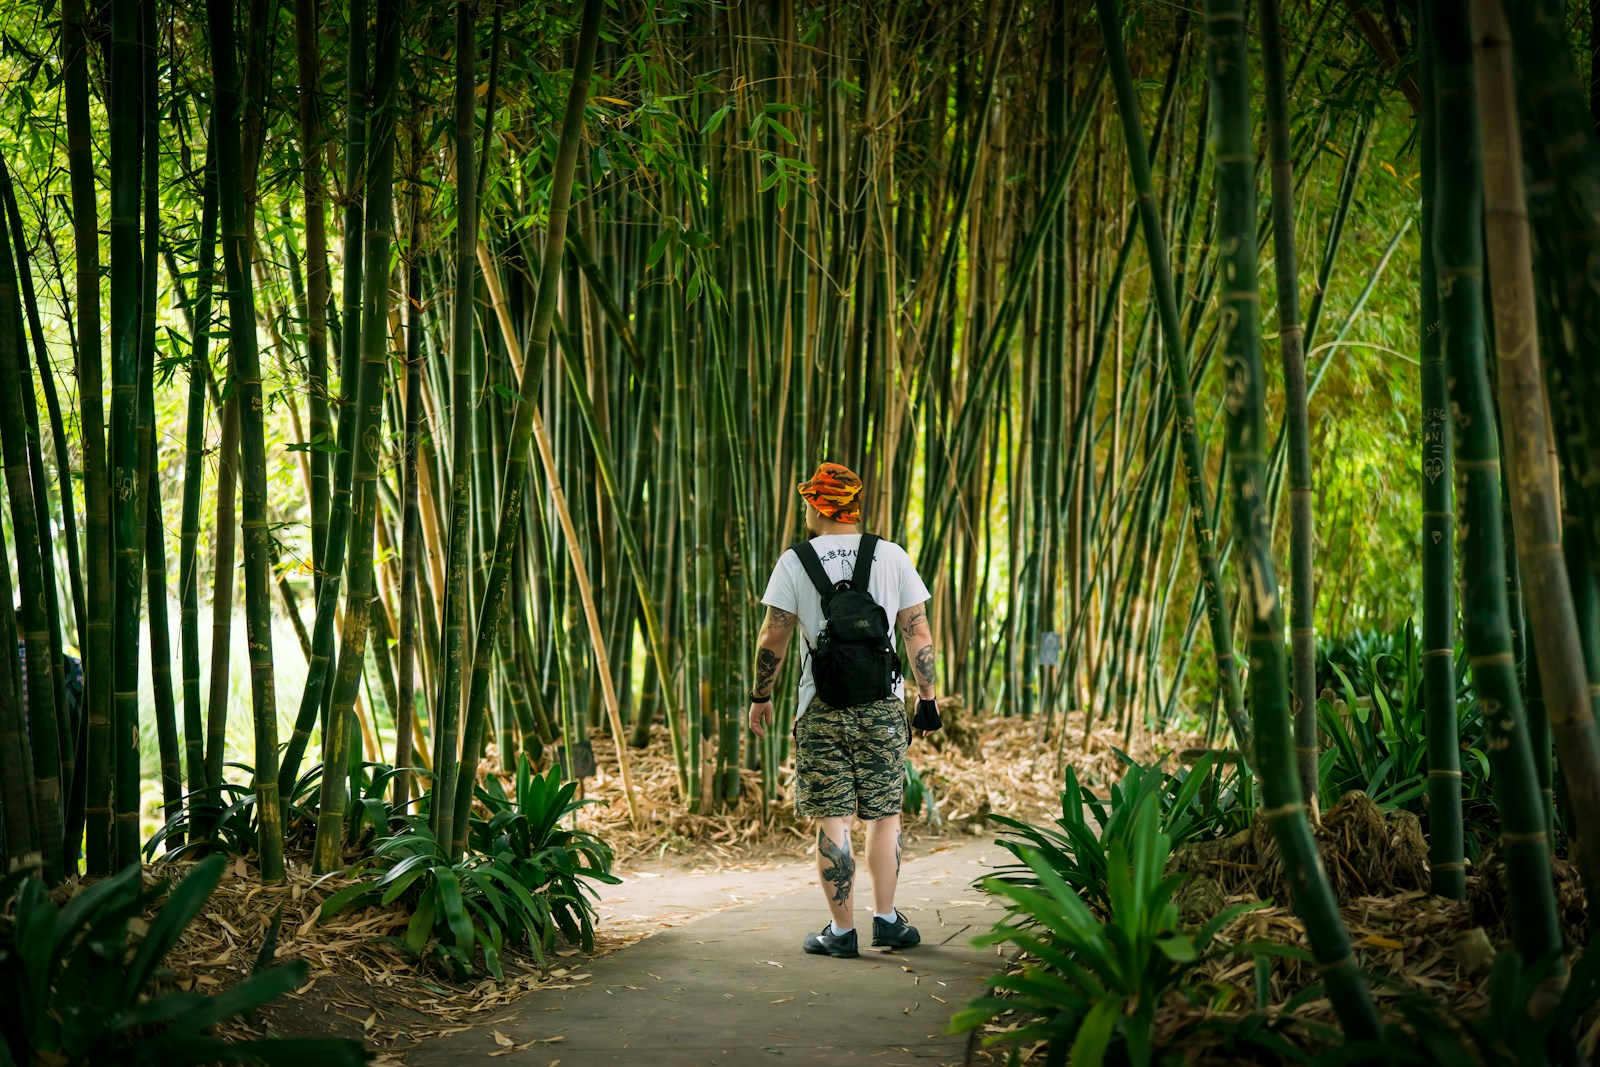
<point>927,717</point>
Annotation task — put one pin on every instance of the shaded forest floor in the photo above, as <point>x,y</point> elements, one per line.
<point>675,868</point>
<point>679,869</point>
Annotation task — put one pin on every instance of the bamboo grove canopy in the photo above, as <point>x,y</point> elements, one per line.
<point>490,340</point>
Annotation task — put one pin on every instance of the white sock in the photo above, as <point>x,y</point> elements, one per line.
<point>892,917</point>
<point>837,932</point>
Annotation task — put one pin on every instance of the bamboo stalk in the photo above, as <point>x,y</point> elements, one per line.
<point>448,705</point>
<point>43,738</point>
<point>1302,600</point>
<point>66,729</point>
<point>245,367</point>
<point>368,415</point>
<point>331,565</point>
<point>1535,507</point>
<point>1459,256</point>
<point>126,106</point>
<point>1178,374</point>
<point>97,770</point>
<point>148,497</point>
<point>515,478</point>
<point>1446,862</point>
<point>1282,795</point>
<point>309,70</point>
<point>411,521</point>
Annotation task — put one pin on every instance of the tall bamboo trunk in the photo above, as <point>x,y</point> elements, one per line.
<point>222,594</point>
<point>1564,152</point>
<point>148,503</point>
<point>1446,841</point>
<point>97,771</point>
<point>411,518</point>
<point>367,434</point>
<point>447,705</point>
<point>526,412</point>
<point>1535,506</point>
<point>1176,347</point>
<point>330,566</point>
<point>126,105</point>
<point>193,479</point>
<point>245,368</point>
<point>43,738</point>
<point>1458,252</point>
<point>309,70</point>
<point>1282,795</point>
<point>67,729</point>
<point>1302,599</point>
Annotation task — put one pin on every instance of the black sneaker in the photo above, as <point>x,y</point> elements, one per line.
<point>897,934</point>
<point>828,943</point>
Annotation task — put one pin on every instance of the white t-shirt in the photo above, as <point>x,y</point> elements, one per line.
<point>894,584</point>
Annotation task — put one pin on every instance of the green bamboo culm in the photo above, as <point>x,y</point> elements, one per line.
<point>40,697</point>
<point>308,61</point>
<point>246,373</point>
<point>411,516</point>
<point>155,548</point>
<point>1283,806</point>
<point>1291,336</point>
<point>367,434</point>
<point>1458,256</point>
<point>66,730</point>
<point>1568,164</point>
<point>1446,841</point>
<point>193,478</point>
<point>515,480</point>
<point>1176,348</point>
<point>330,565</point>
<point>447,707</point>
<point>127,97</point>
<point>1564,152</point>
<point>93,783</point>
<point>1534,489</point>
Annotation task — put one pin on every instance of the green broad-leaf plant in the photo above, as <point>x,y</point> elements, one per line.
<point>79,987</point>
<point>524,881</point>
<point>1090,988</point>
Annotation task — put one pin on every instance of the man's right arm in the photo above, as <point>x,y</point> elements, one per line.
<point>918,634</point>
<point>770,647</point>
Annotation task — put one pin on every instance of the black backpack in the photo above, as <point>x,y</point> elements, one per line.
<point>853,661</point>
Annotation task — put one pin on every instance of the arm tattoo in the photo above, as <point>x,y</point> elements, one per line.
<point>842,874</point>
<point>924,665</point>
<point>778,619</point>
<point>917,618</point>
<point>767,663</point>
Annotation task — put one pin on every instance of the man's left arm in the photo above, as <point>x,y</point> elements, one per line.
<point>918,634</point>
<point>770,650</point>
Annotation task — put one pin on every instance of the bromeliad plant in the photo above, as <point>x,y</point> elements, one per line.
<point>1192,804</point>
<point>78,988</point>
<point>1090,988</point>
<point>524,834</point>
<point>525,881</point>
<point>235,828</point>
<point>1376,731</point>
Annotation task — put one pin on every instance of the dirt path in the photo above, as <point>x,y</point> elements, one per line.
<point>724,980</point>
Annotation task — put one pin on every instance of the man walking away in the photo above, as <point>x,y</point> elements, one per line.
<point>841,587</point>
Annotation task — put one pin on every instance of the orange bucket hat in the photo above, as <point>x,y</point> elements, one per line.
<point>834,490</point>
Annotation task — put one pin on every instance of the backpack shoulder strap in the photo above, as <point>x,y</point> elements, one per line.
<point>813,566</point>
<point>863,572</point>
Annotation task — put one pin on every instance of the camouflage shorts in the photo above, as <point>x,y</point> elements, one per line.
<point>850,761</point>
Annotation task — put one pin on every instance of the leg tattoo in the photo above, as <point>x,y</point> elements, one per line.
<point>898,838</point>
<point>842,874</point>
